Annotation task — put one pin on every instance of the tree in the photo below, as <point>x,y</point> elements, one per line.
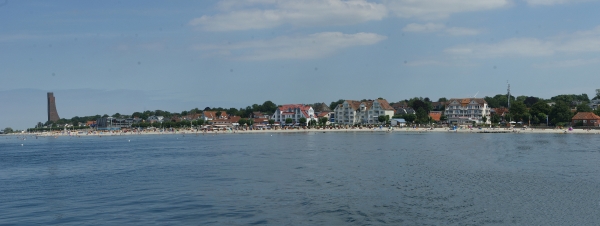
<point>492,103</point>
<point>242,121</point>
<point>410,117</point>
<point>570,98</point>
<point>334,104</point>
<point>419,104</point>
<point>530,101</point>
<point>218,114</point>
<point>495,119</point>
<point>518,110</point>
<point>302,121</point>
<point>381,118</point>
<point>542,117</point>
<point>560,113</point>
<point>271,121</point>
<point>8,130</point>
<point>323,120</point>
<point>584,108</point>
<point>442,99</point>
<point>535,120</point>
<point>288,121</point>
<point>597,111</point>
<point>269,107</point>
<point>422,116</point>
<point>443,118</point>
<point>116,115</point>
<point>540,107</point>
<point>484,119</point>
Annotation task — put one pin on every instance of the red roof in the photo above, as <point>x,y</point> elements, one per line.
<point>287,107</point>
<point>436,116</point>
<point>586,116</point>
<point>501,111</point>
<point>323,114</point>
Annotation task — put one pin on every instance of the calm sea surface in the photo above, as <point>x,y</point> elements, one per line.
<point>302,179</point>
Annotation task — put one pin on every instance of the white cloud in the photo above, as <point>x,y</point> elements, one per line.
<point>433,27</point>
<point>579,42</point>
<point>299,47</point>
<point>440,9</point>
<point>271,13</point>
<point>553,2</point>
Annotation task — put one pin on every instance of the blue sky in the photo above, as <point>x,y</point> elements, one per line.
<point>104,57</point>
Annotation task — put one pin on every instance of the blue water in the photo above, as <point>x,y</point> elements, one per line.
<point>302,179</point>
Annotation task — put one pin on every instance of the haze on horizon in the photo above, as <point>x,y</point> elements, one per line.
<point>126,56</point>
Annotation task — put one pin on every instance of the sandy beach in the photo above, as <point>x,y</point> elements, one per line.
<point>313,130</point>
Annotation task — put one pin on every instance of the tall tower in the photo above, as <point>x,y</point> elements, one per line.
<point>508,93</point>
<point>52,113</point>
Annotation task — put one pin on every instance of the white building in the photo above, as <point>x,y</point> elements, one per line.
<point>594,104</point>
<point>467,110</point>
<point>155,118</point>
<point>295,112</point>
<point>352,112</point>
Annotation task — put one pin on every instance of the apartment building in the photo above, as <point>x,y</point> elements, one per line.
<point>352,112</point>
<point>467,110</point>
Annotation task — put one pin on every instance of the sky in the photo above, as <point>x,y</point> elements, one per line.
<point>106,57</point>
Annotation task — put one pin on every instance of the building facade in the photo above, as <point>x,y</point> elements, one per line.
<point>352,112</point>
<point>585,119</point>
<point>295,112</point>
<point>467,110</point>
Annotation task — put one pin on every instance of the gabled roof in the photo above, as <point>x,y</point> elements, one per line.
<point>323,114</point>
<point>353,104</point>
<point>500,111</point>
<point>287,107</point>
<point>400,104</point>
<point>321,107</point>
<point>466,101</point>
<point>586,116</point>
<point>384,104</point>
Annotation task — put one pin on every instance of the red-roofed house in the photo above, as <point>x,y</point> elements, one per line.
<point>586,118</point>
<point>226,122</point>
<point>212,115</point>
<point>293,111</point>
<point>435,115</point>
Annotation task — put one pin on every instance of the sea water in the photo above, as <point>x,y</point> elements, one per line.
<point>333,178</point>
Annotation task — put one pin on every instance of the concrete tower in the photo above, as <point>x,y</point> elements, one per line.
<point>52,113</point>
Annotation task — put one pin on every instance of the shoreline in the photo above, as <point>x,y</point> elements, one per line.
<point>301,130</point>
